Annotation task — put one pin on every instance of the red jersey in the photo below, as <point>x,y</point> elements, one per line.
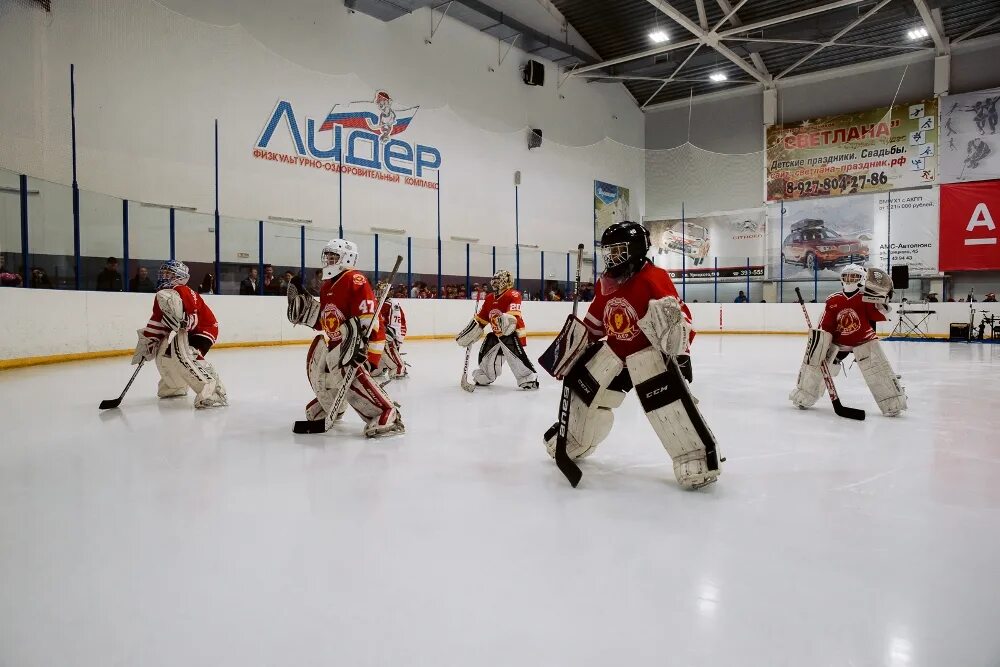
<point>493,307</point>
<point>343,297</point>
<point>616,315</point>
<point>198,316</point>
<point>850,319</point>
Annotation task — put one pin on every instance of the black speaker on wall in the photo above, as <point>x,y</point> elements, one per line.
<point>533,73</point>
<point>901,276</point>
<point>534,138</point>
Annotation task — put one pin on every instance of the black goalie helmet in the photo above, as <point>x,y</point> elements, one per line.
<point>623,248</point>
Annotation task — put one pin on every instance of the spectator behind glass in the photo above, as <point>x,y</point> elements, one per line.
<point>587,292</point>
<point>8,279</point>
<point>741,298</point>
<point>288,278</point>
<point>316,282</point>
<point>141,282</point>
<point>248,286</point>
<point>272,284</point>
<point>991,297</point>
<point>207,285</point>
<point>40,279</point>
<point>416,292</point>
<point>109,280</point>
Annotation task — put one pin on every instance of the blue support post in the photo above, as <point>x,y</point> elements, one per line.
<point>302,254</point>
<point>376,257</point>
<point>517,240</point>
<point>173,238</point>
<point>715,296</point>
<point>494,260</point>
<point>409,265</point>
<point>218,246</point>
<point>748,280</point>
<point>439,294</point>
<point>781,258</point>
<point>125,278</point>
<point>569,281</point>
<point>76,186</point>
<point>260,257</point>
<point>816,282</point>
<point>340,194</point>
<point>542,253</point>
<point>468,271</point>
<point>25,257</point>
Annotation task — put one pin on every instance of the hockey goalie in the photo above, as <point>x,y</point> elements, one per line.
<point>848,327</point>
<point>345,309</point>
<point>501,312</point>
<point>637,333</point>
<point>391,366</point>
<point>178,335</point>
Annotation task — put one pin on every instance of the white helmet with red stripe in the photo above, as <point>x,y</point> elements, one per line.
<point>852,278</point>
<point>338,255</point>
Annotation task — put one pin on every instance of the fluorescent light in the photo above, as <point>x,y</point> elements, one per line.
<point>717,77</point>
<point>917,33</point>
<point>659,37</point>
<point>173,206</point>
<point>298,221</point>
<point>387,230</point>
<point>465,239</point>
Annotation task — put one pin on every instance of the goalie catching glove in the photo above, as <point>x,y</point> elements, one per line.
<point>470,334</point>
<point>666,326</point>
<point>878,287</point>
<point>145,349</point>
<point>302,308</point>
<point>566,349</point>
<point>353,343</point>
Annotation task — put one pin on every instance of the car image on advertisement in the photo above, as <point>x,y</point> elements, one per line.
<point>813,245</point>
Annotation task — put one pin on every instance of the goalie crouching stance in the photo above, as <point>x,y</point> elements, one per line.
<point>345,309</point>
<point>647,334</point>
<point>848,326</point>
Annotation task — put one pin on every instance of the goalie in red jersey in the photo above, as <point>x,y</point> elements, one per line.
<point>637,333</point>
<point>179,333</point>
<point>343,313</point>
<point>505,340</point>
<point>848,326</point>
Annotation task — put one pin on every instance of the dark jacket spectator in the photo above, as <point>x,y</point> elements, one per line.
<point>990,298</point>
<point>40,279</point>
<point>248,285</point>
<point>272,284</point>
<point>141,282</point>
<point>109,280</point>
<point>207,285</point>
<point>741,298</point>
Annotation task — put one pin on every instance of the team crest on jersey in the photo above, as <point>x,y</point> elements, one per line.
<point>494,319</point>
<point>359,279</point>
<point>620,319</point>
<point>331,317</point>
<point>848,321</point>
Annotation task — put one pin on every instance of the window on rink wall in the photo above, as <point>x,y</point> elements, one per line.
<point>480,267</point>
<point>101,236</point>
<point>283,251</point>
<point>148,239</point>
<point>194,238</point>
<point>424,262</point>
<point>50,235</point>
<point>238,252</point>
<point>453,269</point>
<point>531,273</point>
<point>10,226</point>
<point>391,246</point>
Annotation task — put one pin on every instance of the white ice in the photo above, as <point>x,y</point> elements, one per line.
<point>155,535</point>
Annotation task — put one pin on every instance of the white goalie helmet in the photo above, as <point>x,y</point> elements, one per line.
<point>852,278</point>
<point>338,255</point>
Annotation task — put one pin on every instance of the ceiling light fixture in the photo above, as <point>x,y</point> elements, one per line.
<point>659,37</point>
<point>717,77</point>
<point>916,33</point>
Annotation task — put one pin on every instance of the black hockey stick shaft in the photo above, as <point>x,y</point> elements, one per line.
<point>110,403</point>
<point>321,425</point>
<point>466,385</point>
<point>839,408</point>
<point>565,464</point>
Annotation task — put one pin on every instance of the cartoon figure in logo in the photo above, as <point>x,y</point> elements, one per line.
<point>637,333</point>
<point>848,326</point>
<point>386,116</point>
<point>345,309</point>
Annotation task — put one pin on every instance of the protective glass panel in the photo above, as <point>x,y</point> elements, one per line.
<point>453,278</point>
<point>101,242</point>
<point>50,236</point>
<point>424,268</point>
<point>530,267</point>
<point>481,260</point>
<point>194,244</point>
<point>11,258</point>
<point>238,252</point>
<point>391,246</point>
<point>148,244</point>
<point>282,257</point>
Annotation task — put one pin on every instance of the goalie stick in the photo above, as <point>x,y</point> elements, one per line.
<point>110,403</point>
<point>323,425</point>
<point>565,464</point>
<point>466,385</point>
<point>838,407</point>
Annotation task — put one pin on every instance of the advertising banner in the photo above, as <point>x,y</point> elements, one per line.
<point>969,237</point>
<point>970,146</point>
<point>818,237</point>
<point>871,151</point>
<point>611,205</point>
<point>694,247</point>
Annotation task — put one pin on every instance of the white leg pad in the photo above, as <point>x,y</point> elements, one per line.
<point>673,413</point>
<point>182,365</point>
<point>589,424</point>
<point>880,378</point>
<point>391,361</point>
<point>517,358</point>
<point>171,383</point>
<point>371,402</point>
<point>810,385</point>
<point>490,361</point>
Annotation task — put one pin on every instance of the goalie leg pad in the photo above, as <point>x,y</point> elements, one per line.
<point>592,399</point>
<point>880,378</point>
<point>810,385</point>
<point>490,361</point>
<point>171,383</point>
<point>674,416</point>
<point>371,402</point>
<point>566,349</point>
<point>520,364</point>
<point>391,361</point>
<point>184,363</point>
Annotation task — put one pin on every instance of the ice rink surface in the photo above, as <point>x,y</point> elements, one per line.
<point>156,535</point>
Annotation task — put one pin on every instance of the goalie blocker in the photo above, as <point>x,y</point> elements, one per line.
<point>598,381</point>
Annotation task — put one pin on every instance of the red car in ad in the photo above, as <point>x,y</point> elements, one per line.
<point>814,246</point>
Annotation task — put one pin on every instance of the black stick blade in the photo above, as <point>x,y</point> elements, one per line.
<point>309,426</point>
<point>850,413</point>
<point>568,468</point>
<point>109,403</point>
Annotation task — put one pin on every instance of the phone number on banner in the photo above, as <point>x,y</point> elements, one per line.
<point>722,272</point>
<point>846,183</point>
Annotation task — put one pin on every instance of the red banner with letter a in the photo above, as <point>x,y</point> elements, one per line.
<point>970,215</point>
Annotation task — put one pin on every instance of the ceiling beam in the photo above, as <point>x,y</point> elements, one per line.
<point>768,40</point>
<point>785,18</point>
<point>731,16</point>
<point>940,41</point>
<point>709,38</point>
<point>850,26</point>
<point>638,56</point>
<point>972,32</point>
<point>702,16</point>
